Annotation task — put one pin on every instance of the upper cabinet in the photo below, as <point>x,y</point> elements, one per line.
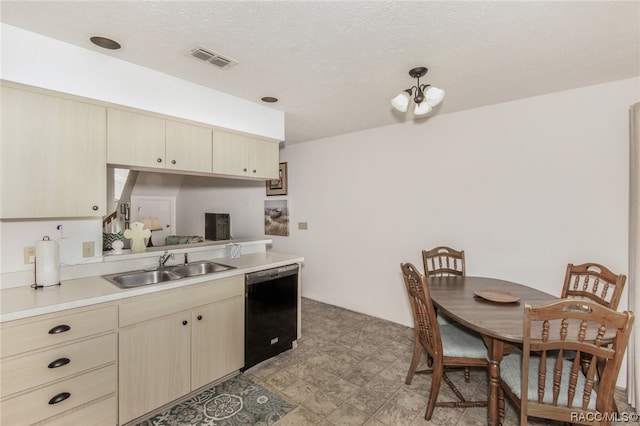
<point>53,156</point>
<point>135,139</point>
<point>149,142</point>
<point>188,147</point>
<point>140,140</point>
<point>54,149</point>
<point>241,155</point>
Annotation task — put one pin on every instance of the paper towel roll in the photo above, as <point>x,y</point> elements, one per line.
<point>47,262</point>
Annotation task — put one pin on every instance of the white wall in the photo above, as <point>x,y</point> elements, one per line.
<point>242,199</point>
<point>159,184</point>
<point>40,61</point>
<point>523,187</point>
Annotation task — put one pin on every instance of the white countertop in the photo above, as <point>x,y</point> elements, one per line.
<point>23,302</point>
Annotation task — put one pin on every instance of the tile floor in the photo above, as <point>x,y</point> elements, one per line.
<point>349,369</point>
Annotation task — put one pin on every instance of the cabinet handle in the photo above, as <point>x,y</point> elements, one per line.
<point>95,208</point>
<point>59,329</point>
<point>159,160</point>
<point>173,161</point>
<point>59,398</point>
<point>254,170</point>
<point>199,317</point>
<point>59,362</point>
<point>185,322</point>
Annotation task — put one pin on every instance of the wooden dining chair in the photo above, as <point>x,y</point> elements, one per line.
<point>549,385</point>
<point>448,345</point>
<point>443,261</point>
<point>595,282</point>
<point>592,281</point>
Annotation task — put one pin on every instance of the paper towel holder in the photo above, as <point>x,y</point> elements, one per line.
<point>35,271</point>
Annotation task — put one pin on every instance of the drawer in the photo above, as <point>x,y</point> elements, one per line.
<point>22,336</point>
<point>35,406</point>
<point>101,413</point>
<point>24,372</point>
<point>149,306</point>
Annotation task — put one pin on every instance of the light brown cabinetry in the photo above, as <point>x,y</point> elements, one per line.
<point>154,364</point>
<point>242,155</point>
<point>57,365</point>
<point>146,141</point>
<point>176,341</point>
<point>52,156</point>
<point>188,147</point>
<point>135,139</point>
<point>212,358</point>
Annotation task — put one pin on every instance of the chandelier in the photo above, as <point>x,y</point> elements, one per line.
<point>425,96</point>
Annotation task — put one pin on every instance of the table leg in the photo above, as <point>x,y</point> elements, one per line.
<point>496,351</point>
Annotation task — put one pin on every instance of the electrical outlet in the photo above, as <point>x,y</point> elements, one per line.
<point>88,249</point>
<point>29,255</point>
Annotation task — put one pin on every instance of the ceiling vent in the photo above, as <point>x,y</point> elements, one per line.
<point>212,57</point>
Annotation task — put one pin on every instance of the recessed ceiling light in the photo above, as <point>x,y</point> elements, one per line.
<point>105,43</point>
<point>269,99</point>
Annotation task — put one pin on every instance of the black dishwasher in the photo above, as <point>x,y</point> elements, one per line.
<point>271,313</point>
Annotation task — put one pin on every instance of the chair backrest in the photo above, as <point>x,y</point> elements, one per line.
<point>443,261</point>
<point>559,332</point>
<point>595,282</point>
<point>424,313</point>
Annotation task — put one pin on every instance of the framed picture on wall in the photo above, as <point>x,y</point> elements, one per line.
<point>278,186</point>
<point>276,217</point>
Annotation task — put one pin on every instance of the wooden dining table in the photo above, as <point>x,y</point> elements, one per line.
<point>499,322</point>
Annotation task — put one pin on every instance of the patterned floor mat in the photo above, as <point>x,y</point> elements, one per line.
<point>238,401</point>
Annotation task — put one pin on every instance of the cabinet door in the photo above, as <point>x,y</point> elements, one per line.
<point>230,153</point>
<point>135,139</point>
<point>217,341</point>
<point>188,147</point>
<point>264,159</point>
<point>154,364</point>
<point>52,156</point>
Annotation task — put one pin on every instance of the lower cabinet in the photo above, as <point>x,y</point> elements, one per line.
<point>60,398</point>
<point>59,367</point>
<point>216,349</point>
<point>154,364</point>
<point>177,341</point>
<point>112,363</point>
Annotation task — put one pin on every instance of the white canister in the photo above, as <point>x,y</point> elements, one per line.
<point>47,262</point>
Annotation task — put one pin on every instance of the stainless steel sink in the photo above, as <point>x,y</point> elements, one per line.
<point>136,279</point>
<point>167,273</point>
<point>199,268</point>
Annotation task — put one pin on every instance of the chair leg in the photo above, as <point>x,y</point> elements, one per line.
<point>417,354</point>
<point>438,370</point>
<point>500,403</point>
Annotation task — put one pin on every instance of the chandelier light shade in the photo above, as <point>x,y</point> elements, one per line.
<point>425,96</point>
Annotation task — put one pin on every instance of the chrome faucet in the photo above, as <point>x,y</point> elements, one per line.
<point>163,259</point>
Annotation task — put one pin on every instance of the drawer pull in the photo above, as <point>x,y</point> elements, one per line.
<point>199,317</point>
<point>59,329</point>
<point>185,322</point>
<point>59,362</point>
<point>59,398</point>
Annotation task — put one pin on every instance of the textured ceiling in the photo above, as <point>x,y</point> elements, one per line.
<point>335,65</point>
